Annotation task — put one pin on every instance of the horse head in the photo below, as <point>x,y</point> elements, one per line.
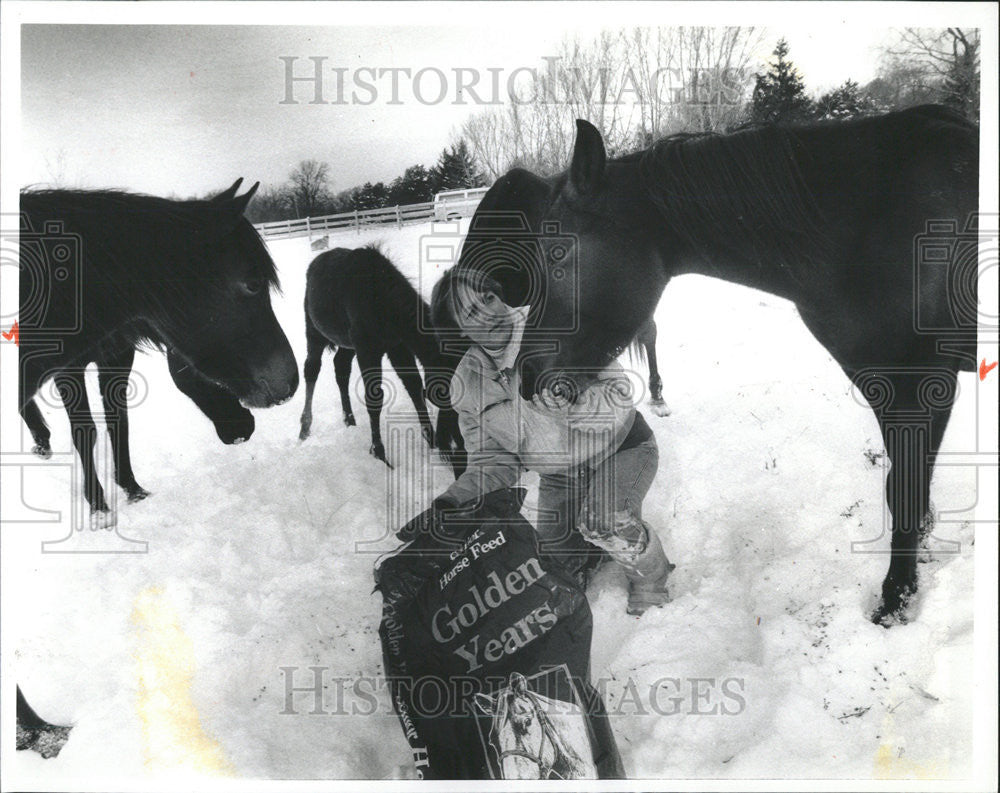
<point>216,315</point>
<point>578,248</point>
<point>518,733</point>
<point>526,735</point>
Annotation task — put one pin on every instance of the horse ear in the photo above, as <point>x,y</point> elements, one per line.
<point>586,172</point>
<point>485,704</point>
<point>239,205</point>
<point>228,194</point>
<point>224,216</point>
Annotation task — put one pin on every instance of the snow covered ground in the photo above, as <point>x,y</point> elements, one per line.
<point>769,498</point>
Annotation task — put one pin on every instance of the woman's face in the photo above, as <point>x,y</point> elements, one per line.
<point>483,317</point>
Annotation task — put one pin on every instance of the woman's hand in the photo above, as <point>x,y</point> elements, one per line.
<point>427,522</point>
<point>549,402</point>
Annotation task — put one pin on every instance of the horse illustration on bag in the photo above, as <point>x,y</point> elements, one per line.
<point>535,737</point>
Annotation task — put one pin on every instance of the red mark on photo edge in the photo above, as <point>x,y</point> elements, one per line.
<point>983,368</point>
<point>15,334</point>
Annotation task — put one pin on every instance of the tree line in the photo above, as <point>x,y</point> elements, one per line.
<point>642,84</point>
<point>639,85</point>
<point>308,191</point>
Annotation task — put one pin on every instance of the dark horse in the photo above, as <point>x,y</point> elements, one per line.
<point>102,272</point>
<point>832,216</point>
<point>357,302</point>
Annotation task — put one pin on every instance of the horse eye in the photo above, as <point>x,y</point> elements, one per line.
<point>253,286</point>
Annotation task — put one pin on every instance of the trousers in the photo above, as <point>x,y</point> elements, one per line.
<point>600,506</point>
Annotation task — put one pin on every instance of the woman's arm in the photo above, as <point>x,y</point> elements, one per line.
<point>491,467</point>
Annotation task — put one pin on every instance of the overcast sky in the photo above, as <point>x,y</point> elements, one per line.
<point>184,110</point>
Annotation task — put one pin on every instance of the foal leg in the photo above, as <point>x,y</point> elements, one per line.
<point>73,391</point>
<point>912,428</point>
<point>405,364</point>
<point>647,337</point>
<point>113,373</point>
<point>39,430</point>
<point>370,361</point>
<point>315,344</point>
<point>342,361</point>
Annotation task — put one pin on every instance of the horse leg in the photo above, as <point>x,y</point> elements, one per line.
<point>370,361</point>
<point>73,392</point>
<point>912,430</point>
<point>40,433</point>
<point>342,360</point>
<point>405,364</point>
<point>315,344</point>
<point>112,374</point>
<point>647,337</point>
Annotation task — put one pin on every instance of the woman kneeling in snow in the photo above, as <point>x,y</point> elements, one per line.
<point>596,457</point>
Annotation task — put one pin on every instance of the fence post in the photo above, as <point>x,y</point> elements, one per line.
<point>399,218</point>
<point>309,230</point>
<point>357,222</point>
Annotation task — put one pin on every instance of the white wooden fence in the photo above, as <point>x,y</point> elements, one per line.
<point>358,219</point>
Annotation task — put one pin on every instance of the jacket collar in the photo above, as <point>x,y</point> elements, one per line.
<point>505,359</point>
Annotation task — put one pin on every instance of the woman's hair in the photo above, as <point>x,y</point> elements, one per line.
<point>445,295</point>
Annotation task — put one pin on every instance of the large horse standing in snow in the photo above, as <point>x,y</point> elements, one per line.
<point>831,216</point>
<point>103,272</point>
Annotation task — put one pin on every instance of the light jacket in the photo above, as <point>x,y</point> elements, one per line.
<point>505,433</point>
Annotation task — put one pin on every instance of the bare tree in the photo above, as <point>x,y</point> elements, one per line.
<point>947,60</point>
<point>633,85</point>
<point>58,168</point>
<point>309,187</point>
<point>698,78</point>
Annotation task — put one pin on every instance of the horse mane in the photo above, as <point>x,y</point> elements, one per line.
<point>743,191</point>
<point>100,209</point>
<point>403,303</point>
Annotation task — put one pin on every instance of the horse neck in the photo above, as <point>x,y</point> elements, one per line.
<point>777,279</point>
<point>411,316</point>
<point>710,215</point>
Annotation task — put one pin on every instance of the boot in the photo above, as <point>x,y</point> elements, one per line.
<point>647,576</point>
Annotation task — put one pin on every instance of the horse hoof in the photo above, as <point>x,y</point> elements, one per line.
<point>659,408</point>
<point>892,611</point>
<point>303,433</point>
<point>102,519</point>
<point>428,435</point>
<point>137,494</point>
<point>349,420</point>
<point>378,452</point>
<point>45,452</point>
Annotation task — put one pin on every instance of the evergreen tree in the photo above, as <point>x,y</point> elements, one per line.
<point>413,187</point>
<point>456,169</point>
<point>371,196</point>
<point>779,94</point>
<point>845,101</point>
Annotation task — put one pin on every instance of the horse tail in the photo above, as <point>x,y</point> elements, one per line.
<point>637,351</point>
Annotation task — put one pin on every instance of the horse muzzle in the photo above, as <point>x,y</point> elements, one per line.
<point>274,383</point>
